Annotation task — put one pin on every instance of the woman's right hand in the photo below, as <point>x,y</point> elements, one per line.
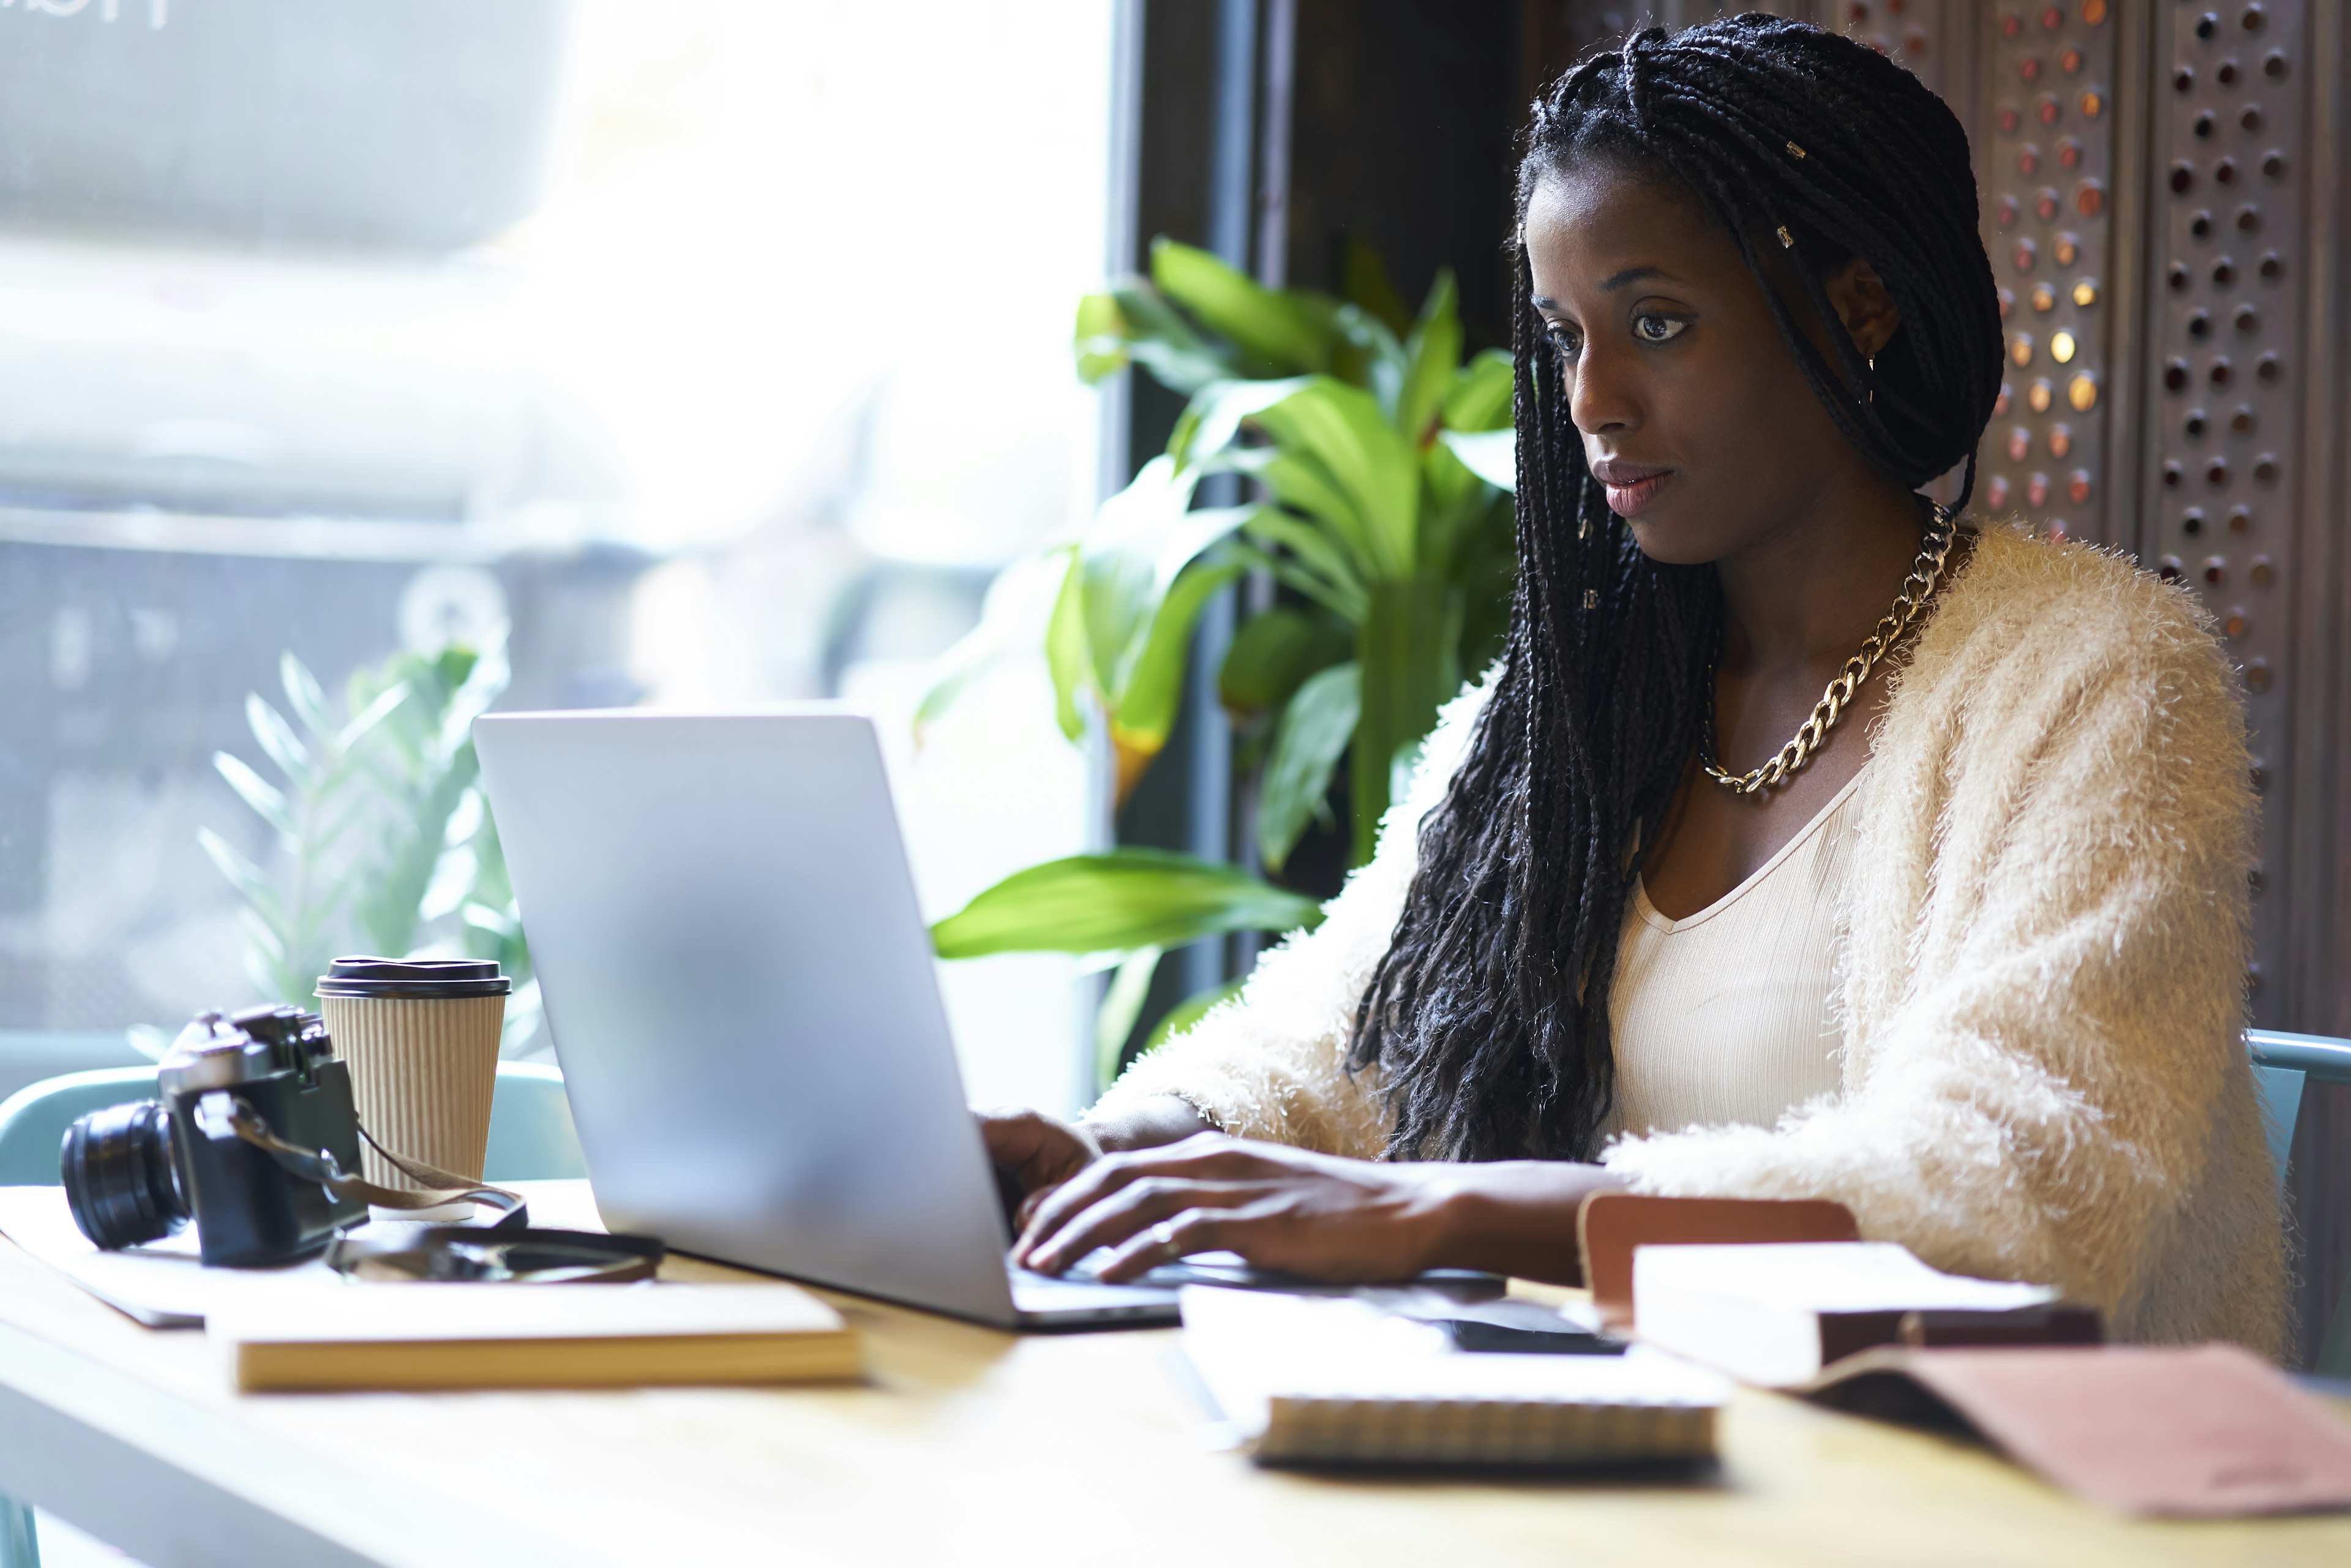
<point>1033,1154</point>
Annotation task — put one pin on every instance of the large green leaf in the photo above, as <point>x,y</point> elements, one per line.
<point>1452,501</point>
<point>1432,360</point>
<point>1014,618</point>
<point>1491,454</point>
<point>1154,684</point>
<point>1126,899</point>
<point>1278,331</point>
<point>1101,339</point>
<point>1480,398</point>
<point>1409,648</point>
<point>1301,480</point>
<point>1121,579</point>
<point>1369,355</point>
<point>1338,576</point>
<point>1126,590</point>
<point>1315,730</point>
<point>1211,423</point>
<point>1308,585</point>
<point>1341,428</point>
<point>1065,648</point>
<point>1133,322</point>
<point>1272,652</point>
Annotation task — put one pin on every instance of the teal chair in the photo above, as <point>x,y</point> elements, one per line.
<point>2283,1064</point>
<point>531,1139</point>
<point>531,1136</point>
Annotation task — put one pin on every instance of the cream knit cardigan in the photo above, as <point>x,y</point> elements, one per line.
<point>2041,969</point>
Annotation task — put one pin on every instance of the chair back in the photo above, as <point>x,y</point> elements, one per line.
<point>2282,1064</point>
<point>531,1136</point>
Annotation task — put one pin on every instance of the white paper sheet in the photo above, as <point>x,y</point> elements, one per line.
<point>163,1285</point>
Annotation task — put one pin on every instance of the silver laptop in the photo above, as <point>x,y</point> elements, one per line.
<point>739,987</point>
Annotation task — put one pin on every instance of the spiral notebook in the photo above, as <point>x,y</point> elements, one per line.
<point>1308,1380</point>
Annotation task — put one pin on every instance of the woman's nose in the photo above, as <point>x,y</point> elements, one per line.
<point>1601,399</point>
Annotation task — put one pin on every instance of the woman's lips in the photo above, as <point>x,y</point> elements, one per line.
<point>1631,486</point>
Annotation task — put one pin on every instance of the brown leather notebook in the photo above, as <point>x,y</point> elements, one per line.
<point>1611,1224</point>
<point>2194,1431</point>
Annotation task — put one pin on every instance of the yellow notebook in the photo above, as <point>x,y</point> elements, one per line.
<point>533,1336</point>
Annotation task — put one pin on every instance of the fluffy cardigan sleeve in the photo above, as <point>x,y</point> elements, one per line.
<point>2041,975</point>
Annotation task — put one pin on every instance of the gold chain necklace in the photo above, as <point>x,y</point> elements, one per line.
<point>1926,574</point>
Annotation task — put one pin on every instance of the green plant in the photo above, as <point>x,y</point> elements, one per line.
<point>1380,466</point>
<point>383,840</point>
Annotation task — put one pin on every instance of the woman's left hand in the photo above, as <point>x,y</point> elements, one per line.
<point>1279,1207</point>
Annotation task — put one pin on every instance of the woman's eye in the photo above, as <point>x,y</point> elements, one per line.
<point>1568,344</point>
<point>1657,328</point>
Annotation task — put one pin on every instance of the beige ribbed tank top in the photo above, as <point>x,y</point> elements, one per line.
<point>1724,1016</point>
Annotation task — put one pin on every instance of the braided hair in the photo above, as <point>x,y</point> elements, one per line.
<point>1488,1017</point>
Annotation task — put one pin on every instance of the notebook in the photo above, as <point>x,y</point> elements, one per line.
<point>532,1336</point>
<point>1775,1314</point>
<point>2192,1431</point>
<point>1610,1225</point>
<point>1307,1379</point>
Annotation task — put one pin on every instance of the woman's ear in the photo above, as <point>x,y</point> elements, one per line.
<point>1864,304</point>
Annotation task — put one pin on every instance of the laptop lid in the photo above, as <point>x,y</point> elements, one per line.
<point>739,987</point>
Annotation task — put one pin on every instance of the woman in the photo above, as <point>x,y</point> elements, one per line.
<point>1968,956</point>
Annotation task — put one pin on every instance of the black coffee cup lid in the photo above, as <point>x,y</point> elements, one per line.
<point>413,978</point>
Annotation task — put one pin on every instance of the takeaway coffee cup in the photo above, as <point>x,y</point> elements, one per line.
<point>422,1038</point>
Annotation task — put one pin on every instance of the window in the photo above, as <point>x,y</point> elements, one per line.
<point>719,352</point>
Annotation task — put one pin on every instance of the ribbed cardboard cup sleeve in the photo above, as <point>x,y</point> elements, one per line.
<point>423,1070</point>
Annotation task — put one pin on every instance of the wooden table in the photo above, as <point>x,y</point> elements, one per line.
<point>967,1446</point>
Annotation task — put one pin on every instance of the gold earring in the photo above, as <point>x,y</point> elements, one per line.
<point>1873,373</point>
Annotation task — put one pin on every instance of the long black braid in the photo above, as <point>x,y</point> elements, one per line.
<point>1489,1015</point>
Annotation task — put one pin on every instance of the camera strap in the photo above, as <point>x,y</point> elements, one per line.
<point>507,1249</point>
<point>472,1252</point>
<point>320,1165</point>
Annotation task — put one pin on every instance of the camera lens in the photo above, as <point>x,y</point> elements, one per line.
<point>119,1175</point>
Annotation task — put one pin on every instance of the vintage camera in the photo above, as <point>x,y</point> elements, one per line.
<point>139,1172</point>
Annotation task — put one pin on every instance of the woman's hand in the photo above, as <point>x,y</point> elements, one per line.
<point>1279,1207</point>
<point>1314,1215</point>
<point>1033,1154</point>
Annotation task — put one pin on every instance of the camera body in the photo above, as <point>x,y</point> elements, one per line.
<point>139,1172</point>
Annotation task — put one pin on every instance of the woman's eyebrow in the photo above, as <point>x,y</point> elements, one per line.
<point>1632,275</point>
<point>1610,285</point>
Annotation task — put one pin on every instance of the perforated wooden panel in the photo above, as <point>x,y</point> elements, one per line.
<point>2225,246</point>
<point>1916,32</point>
<point>2047,163</point>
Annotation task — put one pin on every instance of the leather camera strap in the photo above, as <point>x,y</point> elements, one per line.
<point>320,1166</point>
<point>507,1249</point>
